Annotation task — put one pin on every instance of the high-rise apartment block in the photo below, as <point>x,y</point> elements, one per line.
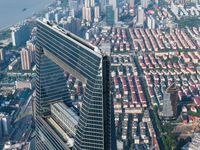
<point>5,123</point>
<point>20,34</point>
<point>97,16</point>
<point>131,3</point>
<point>87,13</point>
<point>25,59</point>
<point>59,125</point>
<point>96,12</point>
<point>73,4</point>
<point>32,48</point>
<point>109,15</point>
<point>2,55</point>
<point>170,102</point>
<point>140,16</point>
<point>151,22</point>
<point>115,9</point>
<point>103,4</point>
<point>71,24</point>
<point>144,3</point>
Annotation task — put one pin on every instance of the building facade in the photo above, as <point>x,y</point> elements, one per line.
<point>56,49</point>
<point>110,15</point>
<point>25,59</point>
<point>131,3</point>
<point>170,102</point>
<point>20,34</point>
<point>2,55</point>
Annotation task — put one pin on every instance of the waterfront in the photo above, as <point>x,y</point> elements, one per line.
<point>13,11</point>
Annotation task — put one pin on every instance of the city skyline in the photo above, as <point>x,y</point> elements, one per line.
<point>100,74</point>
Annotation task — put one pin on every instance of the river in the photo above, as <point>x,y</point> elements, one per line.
<point>13,11</point>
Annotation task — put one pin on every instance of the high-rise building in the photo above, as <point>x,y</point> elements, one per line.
<point>131,3</point>
<point>25,59</point>
<point>71,24</point>
<point>87,13</point>
<point>151,22</point>
<point>140,16</point>
<point>2,55</point>
<point>95,128</point>
<point>109,15</point>
<point>87,3</point>
<point>5,120</point>
<point>1,129</point>
<point>103,4</point>
<point>144,3</point>
<point>115,9</point>
<point>31,47</point>
<point>20,35</point>
<point>170,102</point>
<point>73,4</point>
<point>113,2</point>
<point>96,12</point>
<point>92,3</point>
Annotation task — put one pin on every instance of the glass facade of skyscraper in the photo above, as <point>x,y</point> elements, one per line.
<point>56,49</point>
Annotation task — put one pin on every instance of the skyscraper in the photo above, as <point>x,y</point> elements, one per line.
<point>170,101</point>
<point>56,49</point>
<point>25,59</point>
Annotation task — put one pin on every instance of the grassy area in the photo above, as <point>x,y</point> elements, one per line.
<point>191,22</point>
<point>5,34</point>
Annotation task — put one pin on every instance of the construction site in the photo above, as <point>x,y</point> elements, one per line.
<point>185,130</point>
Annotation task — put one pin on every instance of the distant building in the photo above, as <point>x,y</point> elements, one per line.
<point>170,101</point>
<point>92,3</point>
<point>87,13</point>
<point>20,34</point>
<point>115,9</point>
<point>5,120</point>
<point>103,3</point>
<point>109,15</point>
<point>71,24</point>
<point>2,55</point>
<point>23,84</point>
<point>140,16</point>
<point>144,3</point>
<point>151,22</point>
<point>96,13</point>
<point>174,8</point>
<point>131,3</point>
<point>25,59</point>
<point>73,4</point>
<point>1,129</point>
<point>31,47</point>
<point>13,64</point>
